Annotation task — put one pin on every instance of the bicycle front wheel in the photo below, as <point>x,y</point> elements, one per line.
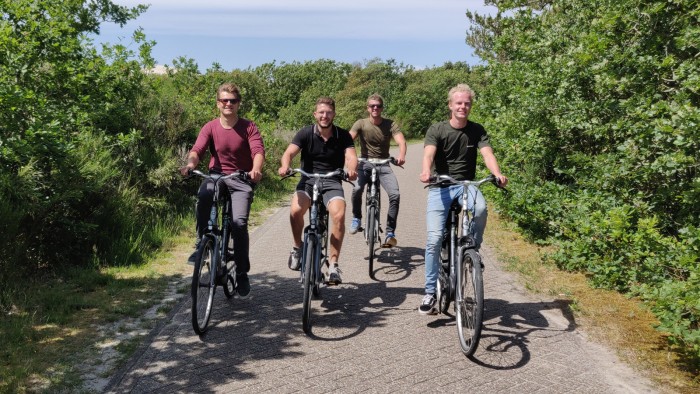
<point>470,301</point>
<point>203,285</point>
<point>371,236</point>
<point>227,256</point>
<point>309,281</point>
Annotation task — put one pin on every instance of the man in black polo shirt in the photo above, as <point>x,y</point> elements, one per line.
<point>324,148</point>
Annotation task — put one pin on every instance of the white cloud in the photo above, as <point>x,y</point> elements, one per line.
<point>353,19</point>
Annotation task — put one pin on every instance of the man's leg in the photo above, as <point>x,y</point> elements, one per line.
<point>439,202</point>
<point>356,198</point>
<point>299,205</point>
<point>241,199</point>
<point>477,204</point>
<point>336,213</point>
<point>205,196</point>
<point>388,181</point>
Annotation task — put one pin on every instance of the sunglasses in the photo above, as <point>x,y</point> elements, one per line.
<point>375,106</point>
<point>230,101</point>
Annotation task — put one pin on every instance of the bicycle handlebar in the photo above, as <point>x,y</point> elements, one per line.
<point>379,162</point>
<point>443,180</point>
<point>242,175</point>
<point>336,173</point>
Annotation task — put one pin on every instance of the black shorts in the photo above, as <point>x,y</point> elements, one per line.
<point>331,189</point>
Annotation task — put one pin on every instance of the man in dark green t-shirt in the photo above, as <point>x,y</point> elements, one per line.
<point>450,149</point>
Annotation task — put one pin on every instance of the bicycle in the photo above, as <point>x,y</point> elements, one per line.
<point>461,267</point>
<point>315,243</point>
<point>214,248</point>
<point>373,227</point>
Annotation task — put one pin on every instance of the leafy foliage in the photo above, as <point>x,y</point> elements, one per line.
<point>596,105</point>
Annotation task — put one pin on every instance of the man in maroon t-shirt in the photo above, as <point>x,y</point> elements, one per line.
<point>234,144</point>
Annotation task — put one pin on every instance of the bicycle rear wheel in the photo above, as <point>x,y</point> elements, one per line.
<point>309,281</point>
<point>203,285</point>
<point>470,301</point>
<point>371,236</point>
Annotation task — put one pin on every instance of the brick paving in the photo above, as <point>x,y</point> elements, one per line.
<point>367,334</point>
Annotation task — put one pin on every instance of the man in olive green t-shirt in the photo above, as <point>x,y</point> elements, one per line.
<point>375,135</point>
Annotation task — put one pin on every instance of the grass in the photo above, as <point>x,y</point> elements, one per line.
<point>88,322</point>
<point>607,317</point>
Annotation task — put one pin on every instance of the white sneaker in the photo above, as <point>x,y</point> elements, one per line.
<point>334,274</point>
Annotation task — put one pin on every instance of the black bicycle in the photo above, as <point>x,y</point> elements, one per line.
<point>373,227</point>
<point>315,246</point>
<point>461,268</point>
<point>215,265</point>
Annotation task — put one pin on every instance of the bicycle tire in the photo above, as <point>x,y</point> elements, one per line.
<point>230,284</point>
<point>309,282</point>
<point>203,286</point>
<point>470,309</point>
<point>371,236</point>
<point>444,297</point>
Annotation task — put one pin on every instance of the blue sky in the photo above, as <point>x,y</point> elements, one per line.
<point>240,34</point>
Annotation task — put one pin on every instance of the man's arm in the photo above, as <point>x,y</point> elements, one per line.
<point>401,142</point>
<point>192,162</point>
<point>256,173</point>
<point>492,164</point>
<point>286,160</point>
<point>428,157</point>
<point>351,163</point>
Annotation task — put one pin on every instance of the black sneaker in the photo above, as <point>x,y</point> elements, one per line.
<point>242,285</point>
<point>195,254</point>
<point>427,305</point>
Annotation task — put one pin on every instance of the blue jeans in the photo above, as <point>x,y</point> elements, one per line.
<point>439,203</point>
<point>387,180</point>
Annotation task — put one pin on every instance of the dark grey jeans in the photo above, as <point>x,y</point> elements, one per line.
<point>388,181</point>
<point>241,199</point>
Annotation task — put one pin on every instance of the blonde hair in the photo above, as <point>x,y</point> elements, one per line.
<point>375,97</point>
<point>460,88</point>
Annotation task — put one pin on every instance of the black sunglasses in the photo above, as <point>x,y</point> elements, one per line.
<point>375,106</point>
<point>230,101</point>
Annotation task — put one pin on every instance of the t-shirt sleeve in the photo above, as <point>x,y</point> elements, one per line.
<point>484,140</point>
<point>255,140</point>
<point>357,127</point>
<point>431,136</point>
<point>395,129</point>
<point>300,138</point>
<point>202,142</point>
<point>346,140</point>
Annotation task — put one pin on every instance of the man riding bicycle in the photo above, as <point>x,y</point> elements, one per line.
<point>235,144</point>
<point>324,148</point>
<point>450,148</point>
<point>375,134</point>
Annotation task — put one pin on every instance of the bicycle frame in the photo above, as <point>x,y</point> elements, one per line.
<point>214,254</point>
<point>316,231</point>
<point>461,240</point>
<point>315,241</point>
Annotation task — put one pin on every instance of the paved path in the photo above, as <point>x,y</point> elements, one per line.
<point>368,335</point>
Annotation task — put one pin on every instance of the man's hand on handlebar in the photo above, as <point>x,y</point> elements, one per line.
<point>255,176</point>
<point>186,171</point>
